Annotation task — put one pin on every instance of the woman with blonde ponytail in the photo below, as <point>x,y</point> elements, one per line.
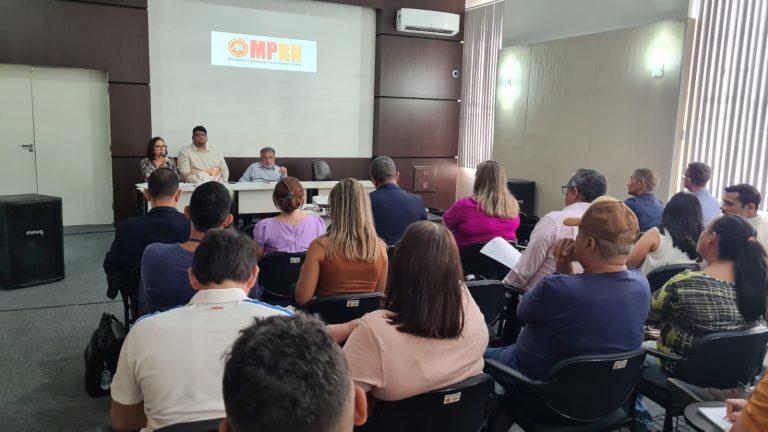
<point>492,211</point>
<point>292,230</point>
<point>349,257</point>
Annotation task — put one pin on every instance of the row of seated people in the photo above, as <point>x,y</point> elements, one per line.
<point>712,259</point>
<point>386,359</point>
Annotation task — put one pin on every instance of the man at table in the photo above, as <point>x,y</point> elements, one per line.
<point>197,162</point>
<point>266,170</point>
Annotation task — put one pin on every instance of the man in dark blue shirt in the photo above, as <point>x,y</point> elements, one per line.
<point>647,208</point>
<point>393,208</point>
<point>601,311</point>
<point>163,224</point>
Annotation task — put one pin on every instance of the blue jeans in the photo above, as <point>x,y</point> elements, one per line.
<point>504,355</point>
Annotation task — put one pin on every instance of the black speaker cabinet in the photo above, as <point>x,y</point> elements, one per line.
<point>525,192</point>
<point>31,240</point>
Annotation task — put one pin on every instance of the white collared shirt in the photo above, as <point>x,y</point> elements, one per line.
<point>192,160</point>
<point>174,360</point>
<point>537,260</point>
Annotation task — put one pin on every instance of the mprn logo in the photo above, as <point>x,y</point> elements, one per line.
<point>238,47</point>
<point>35,232</point>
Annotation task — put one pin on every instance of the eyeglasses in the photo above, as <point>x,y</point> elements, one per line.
<point>565,188</point>
<point>200,134</point>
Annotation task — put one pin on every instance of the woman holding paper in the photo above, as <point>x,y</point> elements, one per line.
<point>492,211</point>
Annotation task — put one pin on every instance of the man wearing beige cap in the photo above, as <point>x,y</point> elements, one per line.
<point>600,311</point>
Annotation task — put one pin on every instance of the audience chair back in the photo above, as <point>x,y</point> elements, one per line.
<point>248,230</point>
<point>462,407</point>
<point>131,293</point>
<point>278,271</point>
<point>473,262</point>
<point>725,359</point>
<point>344,308</point>
<point>659,276</point>
<point>721,360</point>
<point>197,426</point>
<point>489,296</point>
<point>580,393</point>
<point>321,171</point>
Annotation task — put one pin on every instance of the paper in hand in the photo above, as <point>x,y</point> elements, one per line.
<point>501,251</point>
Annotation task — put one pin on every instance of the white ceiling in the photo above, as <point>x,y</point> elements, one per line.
<point>528,21</point>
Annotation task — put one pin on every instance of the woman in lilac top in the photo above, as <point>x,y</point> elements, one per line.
<point>492,211</point>
<point>292,230</point>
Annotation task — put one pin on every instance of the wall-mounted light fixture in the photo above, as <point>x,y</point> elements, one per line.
<point>659,59</point>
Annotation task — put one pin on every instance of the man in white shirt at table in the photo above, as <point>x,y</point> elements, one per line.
<point>266,170</point>
<point>197,162</point>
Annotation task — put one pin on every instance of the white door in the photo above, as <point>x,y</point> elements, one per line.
<point>71,129</point>
<point>17,139</point>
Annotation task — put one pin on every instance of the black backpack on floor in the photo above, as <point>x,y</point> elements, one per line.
<point>101,355</point>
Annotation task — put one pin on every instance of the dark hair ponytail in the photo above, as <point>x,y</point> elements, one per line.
<point>737,243</point>
<point>288,194</point>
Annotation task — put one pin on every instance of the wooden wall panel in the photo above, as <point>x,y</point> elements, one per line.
<point>418,68</point>
<point>77,35</point>
<point>130,118</point>
<point>445,192</point>
<point>416,127</point>
<point>125,174</point>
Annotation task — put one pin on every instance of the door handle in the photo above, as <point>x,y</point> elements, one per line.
<point>28,146</point>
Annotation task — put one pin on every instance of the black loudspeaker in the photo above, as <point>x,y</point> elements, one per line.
<point>525,192</point>
<point>31,240</point>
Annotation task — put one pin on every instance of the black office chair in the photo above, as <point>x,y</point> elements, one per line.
<point>391,251</point>
<point>196,426</point>
<point>473,262</point>
<point>128,284</point>
<point>344,308</point>
<point>321,171</point>
<point>278,271</point>
<point>660,275</point>
<point>586,393</point>
<point>720,360</point>
<point>489,296</point>
<point>248,230</point>
<point>462,407</point>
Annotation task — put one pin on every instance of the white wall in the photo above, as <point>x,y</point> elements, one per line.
<point>528,21</point>
<point>589,102</point>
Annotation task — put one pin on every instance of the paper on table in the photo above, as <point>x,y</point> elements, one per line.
<point>717,416</point>
<point>503,252</point>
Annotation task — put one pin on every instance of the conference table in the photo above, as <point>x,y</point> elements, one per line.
<point>247,197</point>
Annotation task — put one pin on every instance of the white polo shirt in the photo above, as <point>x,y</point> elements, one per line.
<point>174,360</point>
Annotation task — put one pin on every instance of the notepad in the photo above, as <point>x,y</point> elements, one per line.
<point>716,415</point>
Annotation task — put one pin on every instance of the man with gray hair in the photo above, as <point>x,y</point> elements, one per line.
<point>538,260</point>
<point>266,170</point>
<point>647,208</point>
<point>393,208</point>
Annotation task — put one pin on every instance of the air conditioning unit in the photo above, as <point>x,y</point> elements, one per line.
<point>427,22</point>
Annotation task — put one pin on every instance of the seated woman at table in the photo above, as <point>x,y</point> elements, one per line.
<point>492,211</point>
<point>674,240</point>
<point>349,257</point>
<point>430,333</point>
<point>729,294</point>
<point>157,157</point>
<point>292,230</point>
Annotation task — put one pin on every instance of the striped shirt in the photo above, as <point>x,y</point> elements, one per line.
<point>690,306</point>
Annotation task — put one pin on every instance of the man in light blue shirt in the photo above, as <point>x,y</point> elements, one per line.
<point>695,179</point>
<point>266,170</point>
